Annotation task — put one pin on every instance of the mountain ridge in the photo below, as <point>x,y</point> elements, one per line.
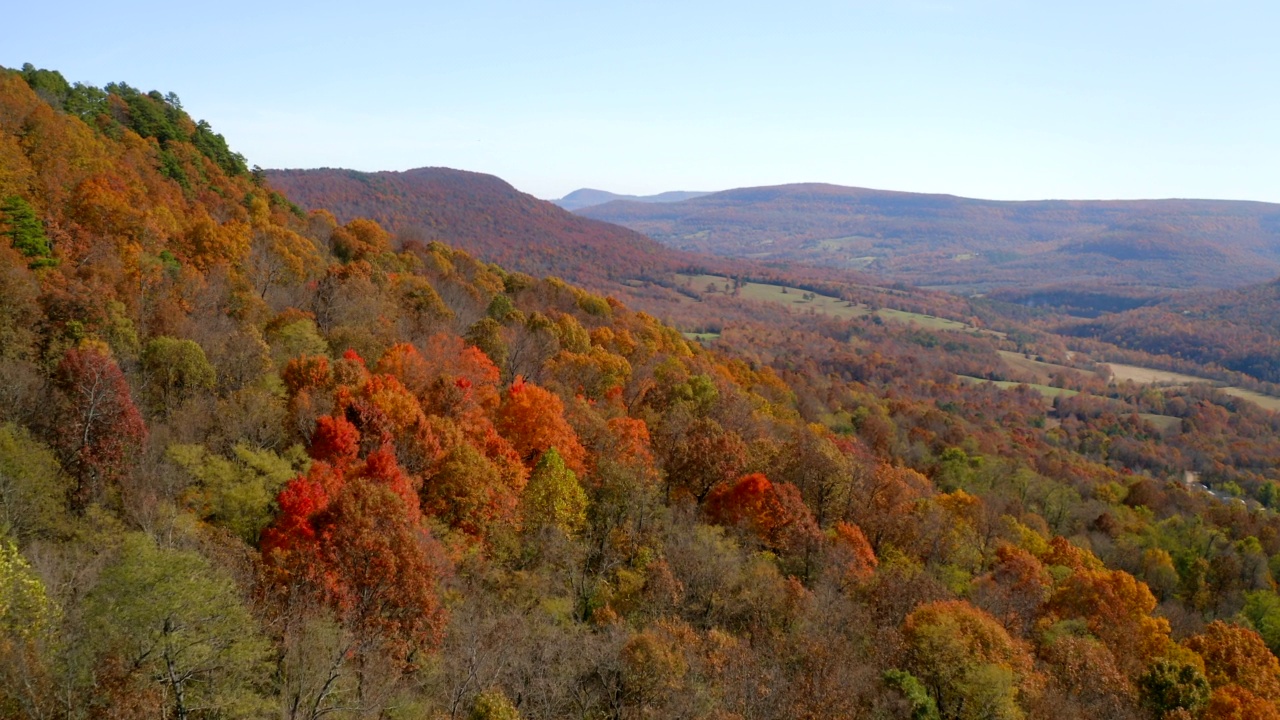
<point>974,245</point>
<point>482,214</point>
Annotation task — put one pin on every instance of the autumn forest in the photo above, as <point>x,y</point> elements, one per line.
<point>323,444</point>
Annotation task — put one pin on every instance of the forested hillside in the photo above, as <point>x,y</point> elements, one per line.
<point>494,222</point>
<point>484,216</point>
<point>261,462</point>
<point>1236,329</point>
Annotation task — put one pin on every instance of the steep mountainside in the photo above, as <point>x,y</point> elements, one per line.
<point>586,197</point>
<point>257,463</point>
<point>943,240</point>
<point>484,216</point>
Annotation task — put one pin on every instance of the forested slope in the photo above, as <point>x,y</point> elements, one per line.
<point>484,216</point>
<point>257,462</point>
<point>1235,329</point>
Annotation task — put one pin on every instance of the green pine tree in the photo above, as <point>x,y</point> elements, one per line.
<point>25,231</point>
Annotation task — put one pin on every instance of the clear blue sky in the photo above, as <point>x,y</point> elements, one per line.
<point>985,98</point>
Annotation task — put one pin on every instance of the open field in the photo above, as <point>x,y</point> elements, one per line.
<point>1163,423</point>
<point>1041,370</point>
<point>805,301</point>
<point>1145,376</point>
<point>789,296</point>
<point>1266,402</point>
<point>927,322</point>
<point>1048,391</point>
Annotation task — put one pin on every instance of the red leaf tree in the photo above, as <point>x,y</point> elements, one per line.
<point>774,512</point>
<point>97,426</point>
<point>851,554</point>
<point>350,535</point>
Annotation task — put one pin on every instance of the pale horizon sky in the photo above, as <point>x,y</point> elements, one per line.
<point>1000,99</point>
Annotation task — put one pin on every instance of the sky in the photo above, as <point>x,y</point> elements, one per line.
<point>1000,99</point>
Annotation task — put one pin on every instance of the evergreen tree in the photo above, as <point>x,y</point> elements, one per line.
<point>26,232</point>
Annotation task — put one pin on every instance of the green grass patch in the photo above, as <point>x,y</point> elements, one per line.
<point>1163,423</point>
<point>1147,376</point>
<point>928,322</point>
<point>1041,370</point>
<point>1266,402</point>
<point>804,301</point>
<point>1048,391</point>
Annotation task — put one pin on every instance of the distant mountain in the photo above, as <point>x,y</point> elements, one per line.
<point>485,216</point>
<point>974,245</point>
<point>586,197</point>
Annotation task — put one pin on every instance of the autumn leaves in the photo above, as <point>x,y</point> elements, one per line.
<point>351,531</point>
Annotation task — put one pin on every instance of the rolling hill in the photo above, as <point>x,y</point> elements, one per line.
<point>489,218</point>
<point>971,245</point>
<point>484,216</point>
<point>1238,329</point>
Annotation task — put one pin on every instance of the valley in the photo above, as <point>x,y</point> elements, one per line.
<point>338,444</point>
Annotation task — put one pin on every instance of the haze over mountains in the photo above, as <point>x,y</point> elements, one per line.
<point>587,197</point>
<point>969,245</point>
<point>1081,257</point>
<point>1084,258</point>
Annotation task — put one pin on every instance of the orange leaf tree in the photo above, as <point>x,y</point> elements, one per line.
<point>1235,655</point>
<point>1116,608</point>
<point>1232,702</point>
<point>532,418</point>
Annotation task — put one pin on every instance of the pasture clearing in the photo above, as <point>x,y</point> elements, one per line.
<point>1048,391</point>
<point>1149,376</point>
<point>1266,402</point>
<point>1038,368</point>
<point>1164,423</point>
<point>804,301</point>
